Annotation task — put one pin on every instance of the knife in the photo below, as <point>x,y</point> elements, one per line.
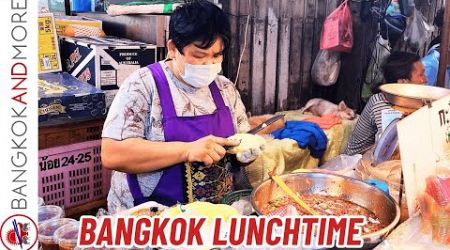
<point>265,124</point>
<point>252,131</point>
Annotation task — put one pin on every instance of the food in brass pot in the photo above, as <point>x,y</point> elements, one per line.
<point>328,205</point>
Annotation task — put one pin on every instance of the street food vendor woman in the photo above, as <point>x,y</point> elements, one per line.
<point>175,112</point>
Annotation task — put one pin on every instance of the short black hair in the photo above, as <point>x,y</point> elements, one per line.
<point>398,65</point>
<point>198,20</point>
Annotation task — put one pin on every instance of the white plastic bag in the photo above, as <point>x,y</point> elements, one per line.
<point>326,67</point>
<point>417,31</point>
<point>343,165</point>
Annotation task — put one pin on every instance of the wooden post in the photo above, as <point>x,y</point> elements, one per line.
<point>307,49</point>
<point>288,47</point>
<point>258,58</point>
<point>270,71</point>
<point>243,83</point>
<point>445,46</point>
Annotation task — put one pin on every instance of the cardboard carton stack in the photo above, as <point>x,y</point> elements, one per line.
<point>78,79</point>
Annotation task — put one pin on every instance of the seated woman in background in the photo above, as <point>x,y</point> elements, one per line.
<point>400,67</point>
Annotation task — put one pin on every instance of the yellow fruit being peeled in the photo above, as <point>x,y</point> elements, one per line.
<point>248,141</point>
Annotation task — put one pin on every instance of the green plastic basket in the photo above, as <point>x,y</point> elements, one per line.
<point>235,196</point>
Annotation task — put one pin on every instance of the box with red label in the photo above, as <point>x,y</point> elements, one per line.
<point>105,62</point>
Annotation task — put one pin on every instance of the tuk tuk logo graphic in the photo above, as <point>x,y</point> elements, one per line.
<point>18,232</point>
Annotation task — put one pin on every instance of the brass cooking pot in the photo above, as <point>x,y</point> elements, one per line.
<point>346,188</point>
<point>413,96</point>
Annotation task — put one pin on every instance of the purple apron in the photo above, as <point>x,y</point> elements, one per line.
<point>182,182</point>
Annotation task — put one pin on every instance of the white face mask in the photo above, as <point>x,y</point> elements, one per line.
<point>199,76</point>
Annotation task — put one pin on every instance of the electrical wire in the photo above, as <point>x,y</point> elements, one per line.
<point>245,44</point>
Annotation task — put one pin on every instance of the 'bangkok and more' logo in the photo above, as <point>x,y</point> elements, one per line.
<point>18,232</point>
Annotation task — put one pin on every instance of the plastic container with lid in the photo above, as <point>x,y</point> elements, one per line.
<point>49,212</point>
<point>47,231</point>
<point>67,236</point>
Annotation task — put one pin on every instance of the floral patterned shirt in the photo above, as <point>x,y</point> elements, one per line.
<point>136,112</point>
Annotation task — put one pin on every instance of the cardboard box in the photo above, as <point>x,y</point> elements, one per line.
<point>109,96</point>
<point>62,22</point>
<point>64,98</point>
<point>48,52</point>
<point>424,142</point>
<point>105,62</point>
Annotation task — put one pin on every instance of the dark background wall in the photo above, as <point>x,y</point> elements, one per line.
<point>282,42</point>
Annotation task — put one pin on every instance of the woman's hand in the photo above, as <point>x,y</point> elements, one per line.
<point>209,149</point>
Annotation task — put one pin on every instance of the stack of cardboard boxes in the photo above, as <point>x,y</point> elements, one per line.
<point>76,86</point>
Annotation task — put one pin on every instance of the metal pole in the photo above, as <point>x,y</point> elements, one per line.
<point>445,53</point>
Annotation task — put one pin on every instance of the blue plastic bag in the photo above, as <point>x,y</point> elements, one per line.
<point>82,5</point>
<point>431,63</point>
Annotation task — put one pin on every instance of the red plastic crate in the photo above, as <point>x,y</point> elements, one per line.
<point>72,175</point>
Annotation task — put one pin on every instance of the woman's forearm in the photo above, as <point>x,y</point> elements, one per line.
<point>137,155</point>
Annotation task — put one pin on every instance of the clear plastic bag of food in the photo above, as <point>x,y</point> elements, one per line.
<point>343,165</point>
<point>438,187</point>
<point>342,162</point>
<point>417,31</point>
